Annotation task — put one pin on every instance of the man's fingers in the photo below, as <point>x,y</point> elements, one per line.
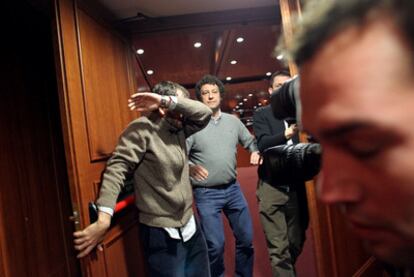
<point>83,245</point>
<point>85,252</point>
<point>202,174</point>
<point>199,177</point>
<point>80,240</point>
<point>202,171</point>
<point>78,234</point>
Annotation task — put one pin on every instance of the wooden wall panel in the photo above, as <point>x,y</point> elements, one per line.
<point>163,55</point>
<point>258,39</point>
<point>106,85</point>
<point>96,79</point>
<point>319,216</point>
<point>347,247</point>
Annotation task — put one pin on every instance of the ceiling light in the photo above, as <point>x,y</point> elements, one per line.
<point>241,103</point>
<point>250,94</point>
<point>150,72</point>
<point>233,62</point>
<point>237,107</point>
<point>279,57</point>
<point>240,39</point>
<point>259,104</point>
<point>228,78</point>
<point>197,44</point>
<point>245,99</point>
<point>268,73</point>
<point>140,51</point>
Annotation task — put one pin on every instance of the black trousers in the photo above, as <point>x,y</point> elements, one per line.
<point>174,258</point>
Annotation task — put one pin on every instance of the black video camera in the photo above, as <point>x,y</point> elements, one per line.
<point>291,164</point>
<point>283,101</point>
<point>296,162</point>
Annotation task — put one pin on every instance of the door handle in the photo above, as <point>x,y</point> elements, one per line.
<point>75,219</point>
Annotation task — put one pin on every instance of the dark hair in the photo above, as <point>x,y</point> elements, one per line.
<point>211,80</point>
<point>278,73</point>
<point>322,19</point>
<point>169,88</point>
<point>186,94</point>
<point>165,88</point>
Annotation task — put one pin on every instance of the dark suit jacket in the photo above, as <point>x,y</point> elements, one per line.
<point>269,132</point>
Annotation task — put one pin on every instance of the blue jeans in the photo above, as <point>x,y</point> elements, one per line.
<point>167,257</point>
<point>210,202</point>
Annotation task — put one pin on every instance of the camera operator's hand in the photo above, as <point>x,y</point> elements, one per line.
<point>198,172</point>
<point>255,158</point>
<point>291,131</point>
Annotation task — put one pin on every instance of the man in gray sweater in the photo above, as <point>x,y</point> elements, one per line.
<point>212,154</point>
<point>152,148</point>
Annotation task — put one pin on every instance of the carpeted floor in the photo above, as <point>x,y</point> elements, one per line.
<point>305,266</point>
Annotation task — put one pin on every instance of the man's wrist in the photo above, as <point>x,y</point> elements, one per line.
<point>165,101</point>
<point>168,102</point>
<point>104,219</point>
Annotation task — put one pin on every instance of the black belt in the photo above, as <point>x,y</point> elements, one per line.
<point>224,186</point>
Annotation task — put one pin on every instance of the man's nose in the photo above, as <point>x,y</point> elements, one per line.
<point>338,183</point>
<point>210,95</point>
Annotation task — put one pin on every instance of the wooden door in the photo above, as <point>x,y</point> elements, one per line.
<point>96,77</point>
<point>34,230</point>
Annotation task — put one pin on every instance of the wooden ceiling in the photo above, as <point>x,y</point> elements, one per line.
<point>168,44</point>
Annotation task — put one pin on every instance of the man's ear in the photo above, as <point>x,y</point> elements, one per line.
<point>270,90</point>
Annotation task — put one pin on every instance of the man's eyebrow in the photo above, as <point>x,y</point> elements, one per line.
<point>344,129</point>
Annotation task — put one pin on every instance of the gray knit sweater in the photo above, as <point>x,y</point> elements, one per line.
<point>215,148</point>
<point>154,151</point>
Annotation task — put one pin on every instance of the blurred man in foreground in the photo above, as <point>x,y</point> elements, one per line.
<point>357,96</point>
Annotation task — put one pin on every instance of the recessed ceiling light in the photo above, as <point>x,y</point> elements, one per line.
<point>197,44</point>
<point>241,103</point>
<point>233,62</point>
<point>150,72</point>
<point>140,51</point>
<point>255,107</point>
<point>228,78</point>
<point>245,99</point>
<point>279,57</point>
<point>259,104</point>
<point>250,94</point>
<point>237,107</point>
<point>268,73</point>
<point>240,39</point>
